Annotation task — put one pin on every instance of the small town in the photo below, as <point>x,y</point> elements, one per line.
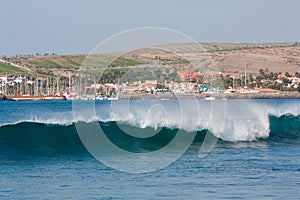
<point>268,70</point>
<point>26,88</point>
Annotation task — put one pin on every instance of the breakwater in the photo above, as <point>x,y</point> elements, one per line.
<point>170,95</point>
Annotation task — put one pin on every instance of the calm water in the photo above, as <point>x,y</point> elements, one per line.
<point>42,156</point>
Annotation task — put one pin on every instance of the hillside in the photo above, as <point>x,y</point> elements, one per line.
<point>276,59</point>
<point>229,59</point>
<point>9,69</point>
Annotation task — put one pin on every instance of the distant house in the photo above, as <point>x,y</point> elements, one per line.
<point>282,75</point>
<point>294,79</point>
<point>190,77</point>
<point>151,81</point>
<point>266,90</point>
<point>147,87</point>
<point>3,79</point>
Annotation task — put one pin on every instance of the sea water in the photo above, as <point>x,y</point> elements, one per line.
<point>42,155</point>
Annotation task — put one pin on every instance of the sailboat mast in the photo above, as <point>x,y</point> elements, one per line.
<point>233,83</point>
<point>57,86</point>
<point>69,82</point>
<point>5,87</point>
<point>246,75</point>
<point>47,86</point>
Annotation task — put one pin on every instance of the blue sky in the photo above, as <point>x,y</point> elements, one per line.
<point>70,26</point>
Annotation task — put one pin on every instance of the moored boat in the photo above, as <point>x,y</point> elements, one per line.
<point>4,98</point>
<point>210,98</point>
<point>19,97</point>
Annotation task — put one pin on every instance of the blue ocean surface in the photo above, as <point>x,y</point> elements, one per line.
<point>44,153</point>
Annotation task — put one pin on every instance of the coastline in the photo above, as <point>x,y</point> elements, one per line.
<point>170,95</point>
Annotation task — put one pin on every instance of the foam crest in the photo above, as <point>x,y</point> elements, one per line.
<point>245,120</point>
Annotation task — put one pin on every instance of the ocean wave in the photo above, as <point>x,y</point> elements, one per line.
<point>62,135</point>
<point>233,130</point>
<point>244,120</point>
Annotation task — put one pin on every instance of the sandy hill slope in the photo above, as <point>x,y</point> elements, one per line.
<point>228,58</point>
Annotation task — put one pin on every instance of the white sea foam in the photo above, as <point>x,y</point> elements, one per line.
<point>242,120</point>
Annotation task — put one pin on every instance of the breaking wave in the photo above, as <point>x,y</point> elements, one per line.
<point>34,136</point>
<point>244,121</point>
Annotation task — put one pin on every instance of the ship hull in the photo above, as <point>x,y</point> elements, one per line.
<point>36,98</point>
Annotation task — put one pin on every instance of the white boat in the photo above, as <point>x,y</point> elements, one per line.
<point>210,98</point>
<point>113,98</point>
<point>100,97</point>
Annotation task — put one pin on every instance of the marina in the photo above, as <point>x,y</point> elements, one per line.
<point>150,100</point>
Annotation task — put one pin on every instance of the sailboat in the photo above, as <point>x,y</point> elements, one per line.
<point>210,91</point>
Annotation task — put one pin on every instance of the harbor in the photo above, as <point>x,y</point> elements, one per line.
<point>20,88</point>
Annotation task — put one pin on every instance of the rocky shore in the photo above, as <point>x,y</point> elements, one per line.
<point>170,95</point>
<point>261,95</point>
